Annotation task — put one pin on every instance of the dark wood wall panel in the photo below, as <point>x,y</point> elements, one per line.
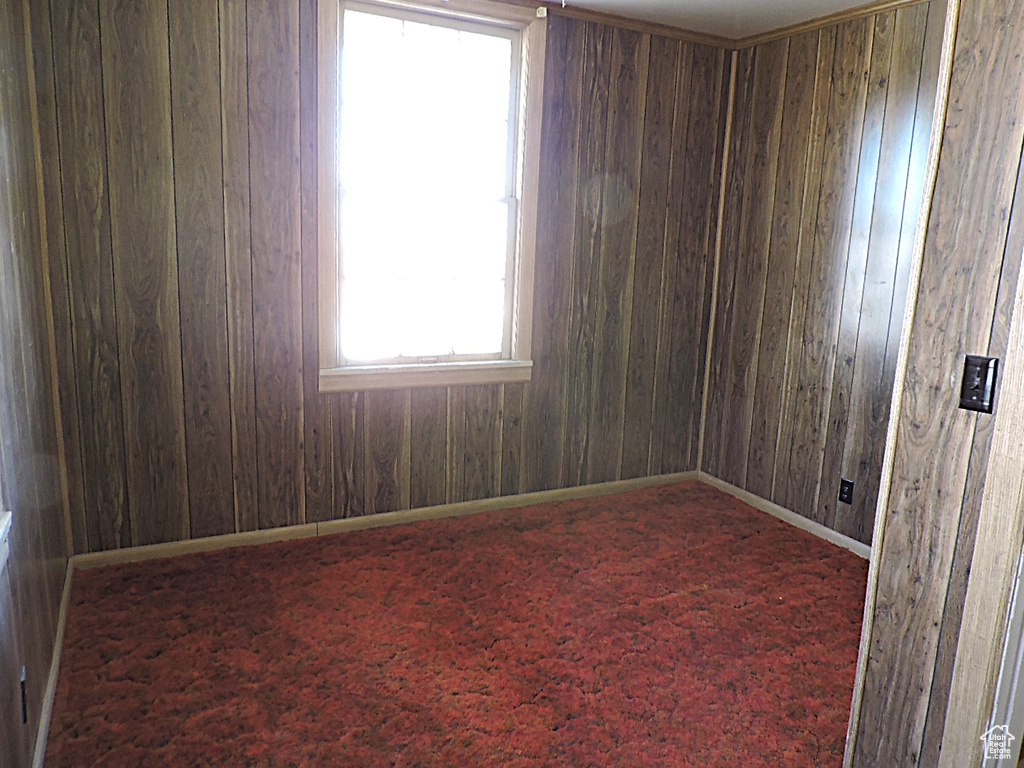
<point>143,235</point>
<point>820,200</point>
<point>202,270</point>
<point>32,481</point>
<point>242,439</point>
<point>969,274</point>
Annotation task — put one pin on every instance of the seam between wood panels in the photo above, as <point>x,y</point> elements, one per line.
<point>252,294</point>
<point>627,309</point>
<point>826,414</point>
<point>727,140</point>
<point>815,202</point>
<point>44,232</point>
<point>748,421</point>
<point>126,502</point>
<point>187,517</point>
<point>659,364</point>
<point>227,270</point>
<point>896,407</point>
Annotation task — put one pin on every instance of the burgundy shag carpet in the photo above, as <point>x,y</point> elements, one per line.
<point>674,626</point>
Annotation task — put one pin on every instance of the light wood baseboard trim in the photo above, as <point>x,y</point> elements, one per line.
<point>51,681</point>
<point>788,516</point>
<point>212,543</point>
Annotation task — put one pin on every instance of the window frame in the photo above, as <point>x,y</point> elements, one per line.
<point>515,365</point>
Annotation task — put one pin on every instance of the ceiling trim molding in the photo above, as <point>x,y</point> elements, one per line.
<point>690,36</point>
<point>850,14</point>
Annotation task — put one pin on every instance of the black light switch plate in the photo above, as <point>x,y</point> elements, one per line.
<point>977,392</point>
<point>846,491</point>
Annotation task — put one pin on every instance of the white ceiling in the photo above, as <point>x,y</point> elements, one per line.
<point>734,19</point>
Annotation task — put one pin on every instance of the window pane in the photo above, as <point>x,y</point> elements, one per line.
<point>424,172</point>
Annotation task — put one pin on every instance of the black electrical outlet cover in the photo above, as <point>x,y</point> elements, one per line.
<point>846,491</point>
<point>978,389</point>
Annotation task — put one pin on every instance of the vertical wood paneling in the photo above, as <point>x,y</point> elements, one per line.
<point>689,258</point>
<point>511,438</point>
<point>234,91</point>
<point>872,386</point>
<point>274,186</point>
<point>316,409</point>
<point>852,315</point>
<point>429,438</point>
<point>199,217</point>
<point>958,309</point>
<point>743,326</point>
<point>482,476</point>
<point>783,261</point>
<point>633,128</point>
<point>827,267</point>
<point>85,201</point>
<point>57,262</point>
<point>544,399</point>
<point>386,479</point>
<point>137,108</point>
<point>31,482</point>
<point>619,201</point>
<point>597,76</point>
<point>799,360</point>
<point>648,272</point>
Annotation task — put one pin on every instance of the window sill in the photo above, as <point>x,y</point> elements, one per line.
<point>361,377</point>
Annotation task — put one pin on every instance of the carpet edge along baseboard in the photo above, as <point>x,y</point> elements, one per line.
<point>310,530</point>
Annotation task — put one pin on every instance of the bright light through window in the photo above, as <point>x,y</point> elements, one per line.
<point>426,180</point>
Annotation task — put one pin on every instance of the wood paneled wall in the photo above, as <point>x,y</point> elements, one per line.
<point>826,170</point>
<point>969,275</point>
<point>30,476</point>
<point>185,301</point>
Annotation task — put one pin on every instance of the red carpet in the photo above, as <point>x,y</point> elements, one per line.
<point>673,626</point>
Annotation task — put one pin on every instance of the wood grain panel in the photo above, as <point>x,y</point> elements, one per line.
<point>234,91</point>
<point>614,289</point>
<point>827,267</point>
<point>784,261</point>
<point>31,482</point>
<point>511,438</point>
<point>744,324</point>
<point>199,216</point>
<point>597,77</point>
<point>957,299</point>
<point>57,277</point>
<point>482,475</point>
<point>348,419</point>
<point>545,396</point>
<point>137,108</point>
<point>781,486</point>
<point>316,413</point>
<point>297,455</point>
<point>872,384</point>
<point>689,250</point>
<point>429,438</point>
<point>852,315</point>
<point>649,266</point>
<point>274,177</point>
<point>732,231</point>
<point>84,198</point>
<point>386,482</point>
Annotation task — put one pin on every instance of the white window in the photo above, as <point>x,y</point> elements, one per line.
<point>429,139</point>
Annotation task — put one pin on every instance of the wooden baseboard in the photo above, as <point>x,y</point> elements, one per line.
<point>212,543</point>
<point>51,681</point>
<point>786,515</point>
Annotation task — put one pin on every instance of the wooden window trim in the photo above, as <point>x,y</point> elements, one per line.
<point>335,377</point>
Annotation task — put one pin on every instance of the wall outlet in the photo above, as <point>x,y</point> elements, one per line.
<point>846,491</point>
